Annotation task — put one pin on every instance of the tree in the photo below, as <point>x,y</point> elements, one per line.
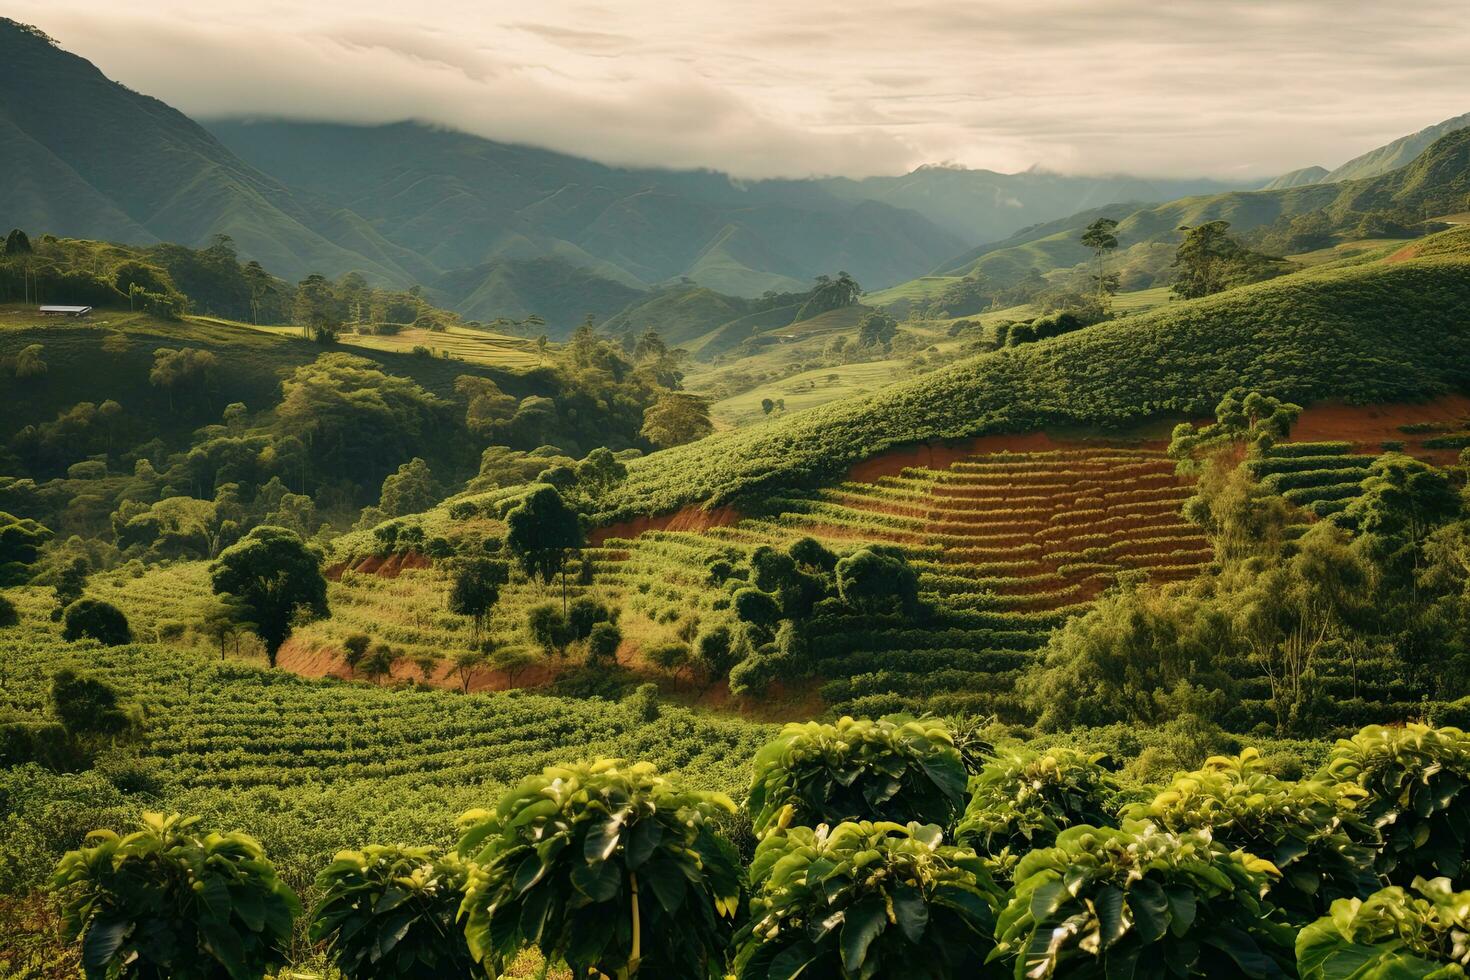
<point>599,472</point>
<point>603,641</point>
<point>715,653</point>
<point>465,663</point>
<point>187,371</point>
<point>671,657</point>
<point>879,580</point>
<point>409,490</point>
<point>1099,237</point>
<point>488,410</point>
<point>767,406</point>
<point>221,617</point>
<point>379,662</point>
<point>29,363</point>
<point>89,708</point>
<point>541,532</point>
<point>20,545</point>
<point>511,660</point>
<point>96,620</point>
<point>1209,261</point>
<point>71,582</point>
<point>274,575</point>
<point>8,615</point>
<point>877,329</point>
<point>548,628</point>
<point>317,309</point>
<point>476,588</point>
<point>676,418</point>
<point>355,649</point>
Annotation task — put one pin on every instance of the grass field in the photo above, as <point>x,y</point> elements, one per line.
<point>460,343</point>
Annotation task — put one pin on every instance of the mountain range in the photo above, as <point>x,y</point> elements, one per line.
<point>493,229</point>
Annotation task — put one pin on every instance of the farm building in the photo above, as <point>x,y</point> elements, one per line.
<point>65,310</point>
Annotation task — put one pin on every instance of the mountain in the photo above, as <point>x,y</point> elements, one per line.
<point>460,200</point>
<point>1296,178</point>
<point>94,159</point>
<point>1398,153</point>
<point>1436,180</point>
<point>986,206</point>
<point>557,290</point>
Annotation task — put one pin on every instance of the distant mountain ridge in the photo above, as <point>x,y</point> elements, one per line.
<point>1379,160</point>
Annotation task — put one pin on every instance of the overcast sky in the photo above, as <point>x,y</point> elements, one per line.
<point>793,87</point>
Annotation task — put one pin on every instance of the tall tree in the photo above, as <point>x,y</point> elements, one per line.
<point>1099,236</point>
<point>277,577</point>
<point>542,532</point>
<point>317,309</point>
<point>475,590</point>
<point>676,418</point>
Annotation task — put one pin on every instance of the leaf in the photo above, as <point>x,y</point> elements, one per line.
<point>911,911</point>
<point>1112,924</point>
<point>1150,908</point>
<point>792,960</point>
<point>643,839</point>
<point>667,882</point>
<point>104,938</point>
<point>865,923</point>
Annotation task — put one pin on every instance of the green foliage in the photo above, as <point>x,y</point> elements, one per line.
<point>897,769</point>
<point>1391,935</point>
<point>1140,901</point>
<point>391,912</point>
<point>866,899</point>
<point>1025,798</point>
<point>675,419</point>
<point>1306,337</point>
<point>541,530</point>
<point>1209,261</point>
<point>606,866</point>
<point>276,577</point>
<point>1242,417</point>
<point>1416,778</point>
<point>475,589</point>
<point>878,580</point>
<point>1309,830</point>
<point>166,902</point>
<point>90,708</point>
<point>95,619</point>
<point>20,545</point>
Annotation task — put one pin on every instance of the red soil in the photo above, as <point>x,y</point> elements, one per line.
<point>390,567</point>
<point>690,518</point>
<point>940,454</point>
<point>1369,426</point>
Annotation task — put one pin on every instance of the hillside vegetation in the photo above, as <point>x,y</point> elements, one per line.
<point>1313,335</point>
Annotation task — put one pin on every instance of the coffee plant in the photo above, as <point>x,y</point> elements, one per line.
<point>1024,798</point>
<point>1416,778</point>
<point>1141,902</point>
<point>608,867</point>
<point>1309,830</point>
<point>897,768</point>
<point>164,902</point>
<point>1391,934</point>
<point>390,912</point>
<point>866,900</point>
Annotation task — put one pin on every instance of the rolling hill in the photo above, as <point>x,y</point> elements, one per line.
<point>95,159</point>
<point>1399,153</point>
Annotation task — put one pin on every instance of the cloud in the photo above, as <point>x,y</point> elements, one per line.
<point>766,88</point>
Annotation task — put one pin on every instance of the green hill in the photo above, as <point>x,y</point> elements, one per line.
<point>1297,217</point>
<point>1373,331</point>
<point>559,291</point>
<point>1400,152</point>
<point>1297,178</point>
<point>94,159</point>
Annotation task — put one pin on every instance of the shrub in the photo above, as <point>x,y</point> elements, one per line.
<point>8,615</point>
<point>608,866</point>
<point>584,612</point>
<point>355,648</point>
<point>165,902</point>
<point>897,769</point>
<point>1140,902</point>
<point>1026,797</point>
<point>96,620</point>
<point>603,642</point>
<point>1302,828</point>
<point>866,900</point>
<point>1390,934</point>
<point>390,912</point>
<point>1416,779</point>
<point>878,580</point>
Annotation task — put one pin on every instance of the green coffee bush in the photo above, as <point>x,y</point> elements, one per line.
<point>164,902</point>
<point>897,768</point>
<point>1390,934</point>
<point>1417,780</point>
<point>390,912</point>
<point>866,900</point>
<point>1309,830</point>
<point>1140,902</point>
<point>607,866</point>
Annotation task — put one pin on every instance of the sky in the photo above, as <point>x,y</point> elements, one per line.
<point>761,88</point>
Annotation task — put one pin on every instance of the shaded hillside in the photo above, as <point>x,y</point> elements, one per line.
<point>559,291</point>
<point>1398,153</point>
<point>460,200</point>
<point>1380,331</point>
<point>985,206</point>
<point>1297,178</point>
<point>94,159</point>
<point>1436,182</point>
